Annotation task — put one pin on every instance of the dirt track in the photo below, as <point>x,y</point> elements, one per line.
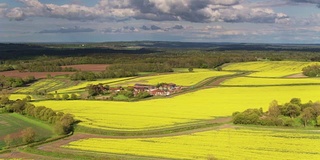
<point>22,155</point>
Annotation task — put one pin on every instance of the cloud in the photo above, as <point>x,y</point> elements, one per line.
<point>145,28</point>
<point>212,28</point>
<point>2,9</point>
<point>178,27</point>
<point>75,29</point>
<point>125,29</point>
<point>154,27</point>
<point>307,1</point>
<point>157,28</point>
<point>201,11</point>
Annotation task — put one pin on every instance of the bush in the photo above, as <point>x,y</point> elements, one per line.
<point>249,116</point>
<point>28,135</point>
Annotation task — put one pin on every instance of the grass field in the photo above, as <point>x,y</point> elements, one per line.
<point>227,144</point>
<point>269,68</point>
<point>14,123</point>
<point>190,107</point>
<point>183,79</point>
<point>253,81</point>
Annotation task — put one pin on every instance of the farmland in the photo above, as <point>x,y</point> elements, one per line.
<point>190,107</point>
<point>183,79</point>
<point>269,68</point>
<point>220,144</point>
<point>13,124</point>
<point>258,81</point>
<point>194,123</point>
<point>38,75</point>
<point>46,85</point>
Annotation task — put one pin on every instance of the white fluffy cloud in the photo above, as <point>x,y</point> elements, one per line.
<point>155,10</point>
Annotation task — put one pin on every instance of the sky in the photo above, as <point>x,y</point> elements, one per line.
<point>244,21</point>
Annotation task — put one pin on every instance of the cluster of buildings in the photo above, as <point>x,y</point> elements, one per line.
<point>164,89</point>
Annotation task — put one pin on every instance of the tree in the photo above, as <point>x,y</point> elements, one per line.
<point>73,96</point>
<point>292,110</point>
<point>28,98</point>
<point>318,121</point>
<point>307,115</point>
<point>296,101</point>
<point>4,100</point>
<point>49,96</point>
<point>190,69</point>
<point>58,97</point>
<point>274,109</point>
<point>64,124</point>
<point>8,140</point>
<point>28,135</point>
<point>65,96</point>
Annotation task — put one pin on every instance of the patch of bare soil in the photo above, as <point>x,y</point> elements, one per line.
<point>299,75</point>
<point>37,75</point>
<point>14,135</point>
<point>89,67</point>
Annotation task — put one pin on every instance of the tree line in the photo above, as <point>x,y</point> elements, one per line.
<point>174,58</point>
<point>12,82</point>
<point>122,70</point>
<point>42,67</point>
<point>293,113</point>
<point>63,123</point>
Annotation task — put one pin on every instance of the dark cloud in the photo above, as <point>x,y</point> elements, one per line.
<point>155,28</point>
<point>177,27</point>
<point>152,27</point>
<point>201,11</point>
<point>145,28</point>
<point>308,1</point>
<point>75,29</point>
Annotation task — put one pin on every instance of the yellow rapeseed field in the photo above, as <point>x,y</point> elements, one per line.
<point>81,86</point>
<point>227,144</point>
<point>270,68</point>
<point>18,96</point>
<point>253,81</point>
<point>183,79</point>
<point>190,107</point>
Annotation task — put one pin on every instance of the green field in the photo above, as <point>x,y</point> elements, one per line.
<point>14,123</point>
